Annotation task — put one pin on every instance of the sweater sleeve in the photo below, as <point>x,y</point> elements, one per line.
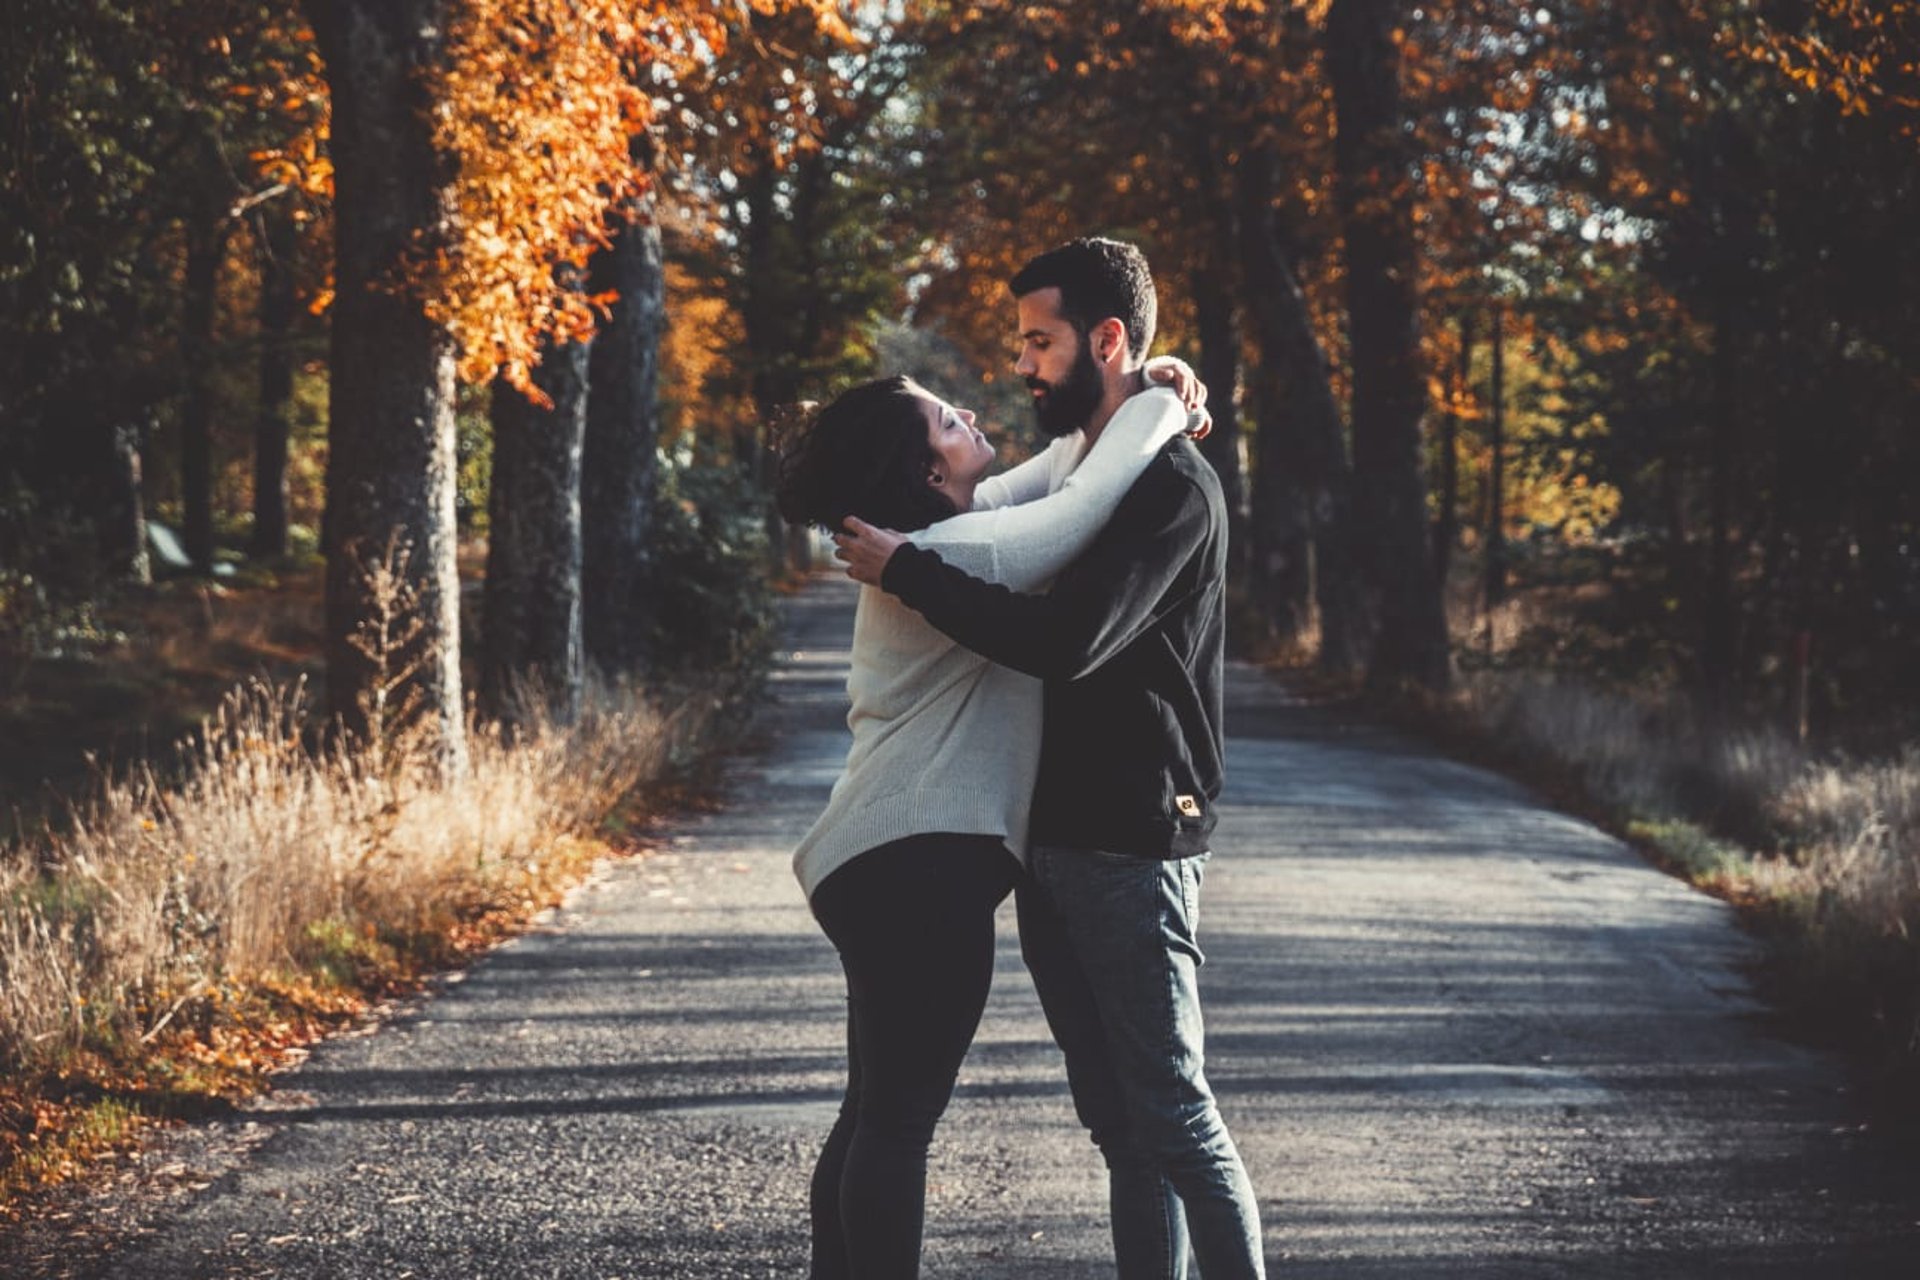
<point>1024,546</point>
<point>1031,480</point>
<point>1100,604</point>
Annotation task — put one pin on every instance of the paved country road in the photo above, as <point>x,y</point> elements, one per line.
<point>1455,1033</point>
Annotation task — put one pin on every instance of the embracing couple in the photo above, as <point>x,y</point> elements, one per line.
<point>1036,709</point>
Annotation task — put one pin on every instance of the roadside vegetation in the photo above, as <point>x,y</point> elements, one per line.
<point>164,948</point>
<point>1815,838</point>
<point>1822,851</point>
<point>183,924</point>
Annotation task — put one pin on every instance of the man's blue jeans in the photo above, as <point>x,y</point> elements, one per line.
<point>1111,943</point>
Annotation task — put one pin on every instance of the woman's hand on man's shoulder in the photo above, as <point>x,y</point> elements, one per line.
<point>1173,372</point>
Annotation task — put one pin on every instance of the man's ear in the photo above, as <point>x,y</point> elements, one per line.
<point>1109,340</point>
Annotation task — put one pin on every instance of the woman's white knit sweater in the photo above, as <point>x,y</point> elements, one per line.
<point>944,740</point>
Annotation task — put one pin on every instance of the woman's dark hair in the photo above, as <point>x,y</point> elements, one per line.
<point>864,455</point>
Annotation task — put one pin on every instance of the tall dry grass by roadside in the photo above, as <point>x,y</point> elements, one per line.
<point>1650,759</point>
<point>1830,849</point>
<point>1852,890</point>
<point>275,855</point>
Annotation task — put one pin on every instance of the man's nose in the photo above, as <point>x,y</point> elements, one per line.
<point>966,416</point>
<point>1024,366</point>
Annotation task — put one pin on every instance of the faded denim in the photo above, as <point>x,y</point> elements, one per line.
<point>1112,944</point>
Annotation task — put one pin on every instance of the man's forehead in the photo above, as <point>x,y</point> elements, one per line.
<point>1040,310</point>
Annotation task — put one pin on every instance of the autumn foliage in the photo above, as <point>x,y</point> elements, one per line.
<point>1863,54</point>
<point>539,103</point>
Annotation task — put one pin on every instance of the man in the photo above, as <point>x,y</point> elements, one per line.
<point>1130,644</point>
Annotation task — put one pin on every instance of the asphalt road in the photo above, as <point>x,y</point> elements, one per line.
<point>1455,1033</point>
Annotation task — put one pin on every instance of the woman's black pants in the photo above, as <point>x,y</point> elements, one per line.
<point>913,922</point>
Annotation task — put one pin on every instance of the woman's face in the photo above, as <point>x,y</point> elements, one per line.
<point>962,453</point>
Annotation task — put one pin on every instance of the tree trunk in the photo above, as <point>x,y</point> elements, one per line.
<point>1220,370</point>
<point>1717,657</point>
<point>799,542</point>
<point>813,176</point>
<point>1375,201</point>
<point>123,517</point>
<point>1281,569</point>
<point>767,348</point>
<point>1496,559</point>
<point>393,589</point>
<point>1301,482</point>
<point>274,424</point>
<point>206,244</point>
<point>1446,528</point>
<point>620,475</point>
<point>531,610</point>
<point>1675,501</point>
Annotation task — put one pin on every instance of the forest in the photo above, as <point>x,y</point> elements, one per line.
<point>388,389</point>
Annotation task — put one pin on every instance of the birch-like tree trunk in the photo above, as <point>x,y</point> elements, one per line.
<point>530,624</point>
<point>123,515</point>
<point>390,465</point>
<point>621,474</point>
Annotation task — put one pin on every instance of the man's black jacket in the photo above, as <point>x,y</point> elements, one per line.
<point>1130,643</point>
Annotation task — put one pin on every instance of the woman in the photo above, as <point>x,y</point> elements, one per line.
<point>918,843</point>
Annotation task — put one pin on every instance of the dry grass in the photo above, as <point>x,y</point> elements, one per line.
<point>1651,759</point>
<point>1852,945</point>
<point>1827,851</point>
<point>271,848</point>
<point>165,931</point>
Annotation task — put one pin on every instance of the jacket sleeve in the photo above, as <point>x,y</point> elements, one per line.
<point>1099,604</point>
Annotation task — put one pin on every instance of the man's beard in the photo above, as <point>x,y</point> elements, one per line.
<point>1069,404</point>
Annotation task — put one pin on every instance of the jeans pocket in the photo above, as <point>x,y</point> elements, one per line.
<point>1183,931</point>
<point>1193,873</point>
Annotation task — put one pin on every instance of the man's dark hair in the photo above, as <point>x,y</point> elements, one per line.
<point>1097,278</point>
<point>865,455</point>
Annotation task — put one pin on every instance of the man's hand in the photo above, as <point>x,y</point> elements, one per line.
<point>865,550</point>
<point>1178,374</point>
